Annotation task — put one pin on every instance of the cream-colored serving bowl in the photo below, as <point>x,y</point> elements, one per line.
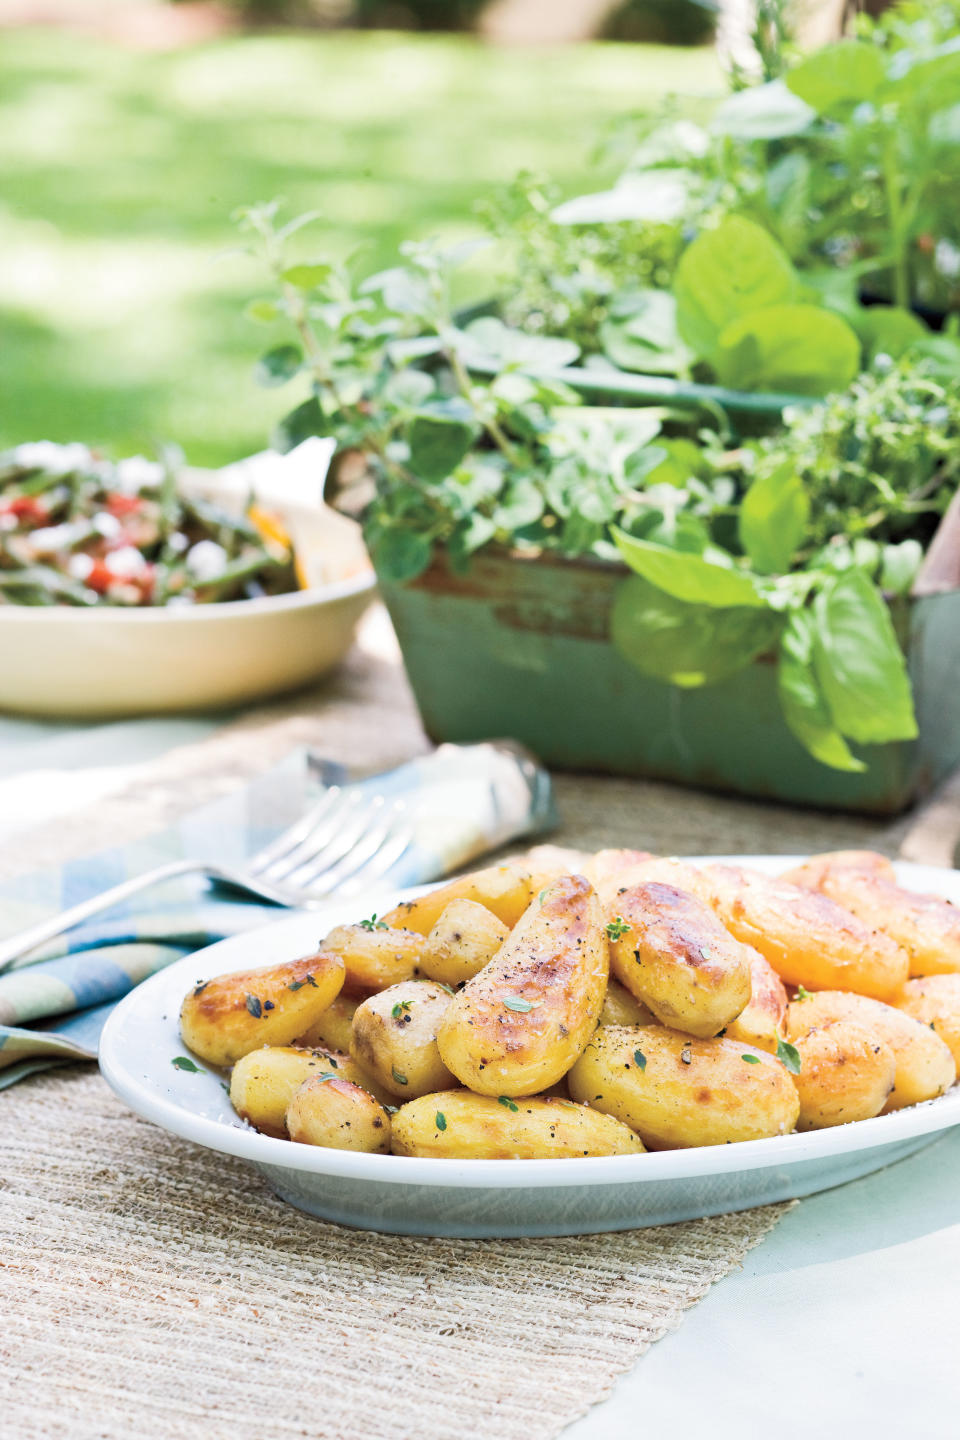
<point>68,662</point>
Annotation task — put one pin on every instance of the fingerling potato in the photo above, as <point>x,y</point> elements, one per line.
<point>762,1022</point>
<point>265,1081</point>
<point>672,954</point>
<point>338,1114</point>
<point>395,1038</point>
<point>457,1125</point>
<point>845,1074</point>
<point>612,871</point>
<point>812,871</point>
<point>809,939</point>
<point>934,1000</point>
<point>224,1019</point>
<point>335,1025</point>
<point>622,1008</point>
<point>927,927</point>
<point>465,938</point>
<point>925,1066</point>
<point>507,890</point>
<point>677,1091</point>
<point>375,954</point>
<point>515,1028</point>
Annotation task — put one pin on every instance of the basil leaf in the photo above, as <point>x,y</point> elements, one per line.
<point>859,663</point>
<point>687,577</point>
<point>438,443</point>
<point>802,701</point>
<point>725,274</point>
<point>889,330</point>
<point>762,112</point>
<point>773,519</point>
<point>278,365</point>
<point>400,555</point>
<point>303,422</point>
<point>307,277</point>
<point>845,73</point>
<point>682,644</point>
<point>799,348</point>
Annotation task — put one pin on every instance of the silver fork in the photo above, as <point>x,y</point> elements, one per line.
<point>344,843</point>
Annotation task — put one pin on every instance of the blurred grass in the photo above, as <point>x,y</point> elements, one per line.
<point>121,318</point>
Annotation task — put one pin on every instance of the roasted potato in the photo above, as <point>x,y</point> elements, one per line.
<point>335,1026</point>
<point>812,871</point>
<point>515,1028</point>
<point>395,1038</point>
<point>224,1019</point>
<point>507,890</point>
<point>327,1110</point>
<point>927,927</point>
<point>677,1091</point>
<point>457,1125</point>
<point>375,954</point>
<point>934,1000</point>
<point>762,1022</point>
<point>925,1067</point>
<point>612,871</point>
<point>621,1008</point>
<point>809,939</point>
<point>672,954</point>
<point>846,1074</point>
<point>465,938</point>
<point>265,1081</point>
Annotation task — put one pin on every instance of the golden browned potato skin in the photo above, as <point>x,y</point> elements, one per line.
<point>507,890</point>
<point>395,1038</point>
<point>678,959</point>
<point>925,1067</point>
<point>224,1019</point>
<point>335,1025</point>
<point>845,1074</point>
<point>264,1082</point>
<point>927,927</point>
<point>812,871</point>
<point>934,1000</point>
<point>477,1127</point>
<point>612,871</point>
<point>808,938</point>
<point>684,1092</point>
<point>339,1115</point>
<point>622,1008</point>
<point>375,957</point>
<point>762,1022</point>
<point>515,1028</point>
<point>465,938</point>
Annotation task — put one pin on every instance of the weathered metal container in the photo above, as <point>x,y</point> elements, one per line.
<point>520,646</point>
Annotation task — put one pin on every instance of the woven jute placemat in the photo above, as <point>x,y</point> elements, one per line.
<point>149,1288</point>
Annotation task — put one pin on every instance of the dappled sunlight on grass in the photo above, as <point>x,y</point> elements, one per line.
<point>121,315</point>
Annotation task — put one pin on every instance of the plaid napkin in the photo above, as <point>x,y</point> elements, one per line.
<point>462,802</point>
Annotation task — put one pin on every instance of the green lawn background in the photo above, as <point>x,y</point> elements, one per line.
<point>121,316</point>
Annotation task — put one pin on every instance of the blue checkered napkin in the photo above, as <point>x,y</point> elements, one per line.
<point>462,801</point>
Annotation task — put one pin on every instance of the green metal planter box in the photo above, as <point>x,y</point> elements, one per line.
<point>520,647</point>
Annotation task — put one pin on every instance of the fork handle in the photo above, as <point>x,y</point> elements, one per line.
<point>49,929</point>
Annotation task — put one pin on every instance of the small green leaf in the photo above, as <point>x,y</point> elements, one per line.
<point>438,443</point>
<point>687,577</point>
<point>307,277</point>
<point>401,1006</point>
<point>751,1059</point>
<point>399,1079</point>
<point>301,424</point>
<point>773,519</point>
<point>762,112</point>
<point>265,312</point>
<point>900,566</point>
<point>640,1059</point>
<point>841,74</point>
<point>617,927</point>
<point>254,1006</point>
<point>183,1062</point>
<point>802,993</point>
<point>440,1120</point>
<point>510,1104</point>
<point>802,349</point>
<point>517,1002</point>
<point>859,663</point>
<point>802,700</point>
<point>400,555</point>
<point>789,1056</point>
<point>279,365</point>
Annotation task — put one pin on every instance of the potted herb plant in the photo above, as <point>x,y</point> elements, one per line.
<point>628,589</point>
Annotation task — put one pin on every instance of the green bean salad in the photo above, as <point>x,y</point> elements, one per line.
<point>79,529</point>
